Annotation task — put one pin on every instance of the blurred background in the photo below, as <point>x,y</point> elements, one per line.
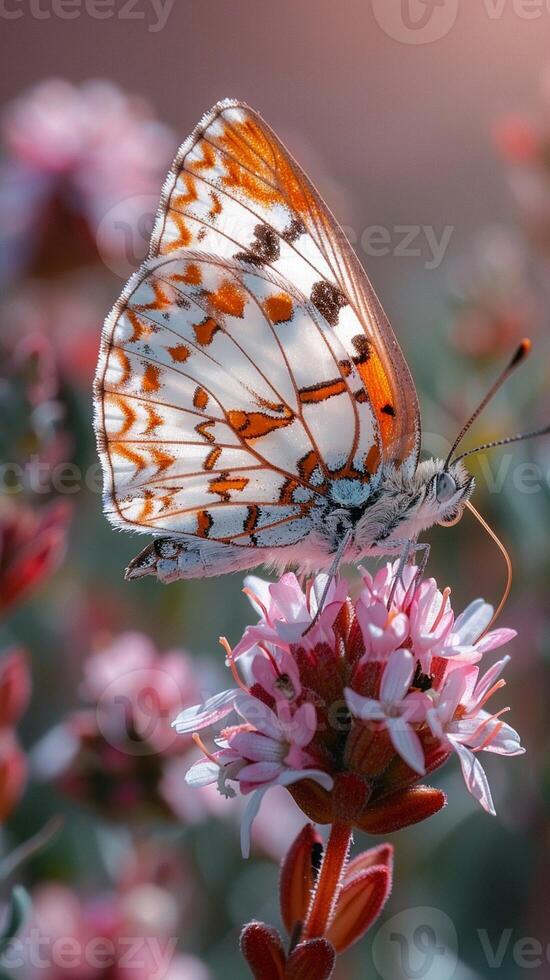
<point>427,129</point>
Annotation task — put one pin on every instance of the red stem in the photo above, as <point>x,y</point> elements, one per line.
<point>329,883</point>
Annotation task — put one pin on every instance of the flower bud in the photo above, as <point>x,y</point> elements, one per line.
<point>298,873</point>
<point>262,949</point>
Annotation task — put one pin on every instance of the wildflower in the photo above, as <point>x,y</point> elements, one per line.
<point>349,709</point>
<point>74,154</point>
<point>458,716</point>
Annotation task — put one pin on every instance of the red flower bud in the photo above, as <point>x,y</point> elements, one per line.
<point>32,547</point>
<point>398,810</point>
<point>262,948</point>
<point>13,772</point>
<point>366,889</point>
<point>298,871</point>
<point>15,686</point>
<point>314,958</point>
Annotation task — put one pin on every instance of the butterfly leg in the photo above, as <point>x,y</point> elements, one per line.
<point>409,550</point>
<point>332,572</point>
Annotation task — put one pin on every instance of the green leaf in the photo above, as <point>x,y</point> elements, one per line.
<point>18,910</point>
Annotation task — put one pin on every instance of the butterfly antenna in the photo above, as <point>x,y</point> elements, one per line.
<point>519,356</point>
<point>505,442</point>
<point>507,561</point>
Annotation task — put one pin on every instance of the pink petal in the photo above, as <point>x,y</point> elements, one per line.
<point>260,772</point>
<point>256,747</point>
<point>303,725</point>
<point>494,639</point>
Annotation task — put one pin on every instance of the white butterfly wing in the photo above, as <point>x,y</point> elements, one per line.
<point>224,404</point>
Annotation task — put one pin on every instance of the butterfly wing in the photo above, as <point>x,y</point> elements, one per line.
<point>224,403</point>
<point>235,191</point>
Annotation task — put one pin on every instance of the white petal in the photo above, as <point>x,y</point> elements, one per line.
<point>470,624</point>
<point>407,743</point>
<point>249,816</point>
<point>474,777</point>
<point>364,708</point>
<point>397,677</point>
<point>259,715</point>
<point>260,588</point>
<point>203,773</point>
<point>488,679</point>
<point>202,715</point>
<point>290,776</point>
<point>286,778</point>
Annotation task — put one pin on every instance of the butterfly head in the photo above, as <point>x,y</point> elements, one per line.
<point>408,503</point>
<point>446,488</point>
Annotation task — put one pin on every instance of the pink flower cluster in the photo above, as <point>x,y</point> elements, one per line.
<point>349,706</point>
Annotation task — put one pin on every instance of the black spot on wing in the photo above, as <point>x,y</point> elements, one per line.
<point>328,299</point>
<point>362,346</point>
<point>264,248</point>
<point>294,230</point>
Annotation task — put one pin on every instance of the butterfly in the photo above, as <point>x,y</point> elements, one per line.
<point>252,404</point>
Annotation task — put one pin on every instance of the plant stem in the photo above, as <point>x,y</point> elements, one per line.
<point>329,882</point>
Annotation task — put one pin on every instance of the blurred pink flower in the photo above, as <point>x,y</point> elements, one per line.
<point>351,726</point>
<point>85,148</point>
<point>129,933</point>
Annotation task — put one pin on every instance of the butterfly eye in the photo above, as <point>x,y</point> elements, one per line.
<point>445,488</point>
